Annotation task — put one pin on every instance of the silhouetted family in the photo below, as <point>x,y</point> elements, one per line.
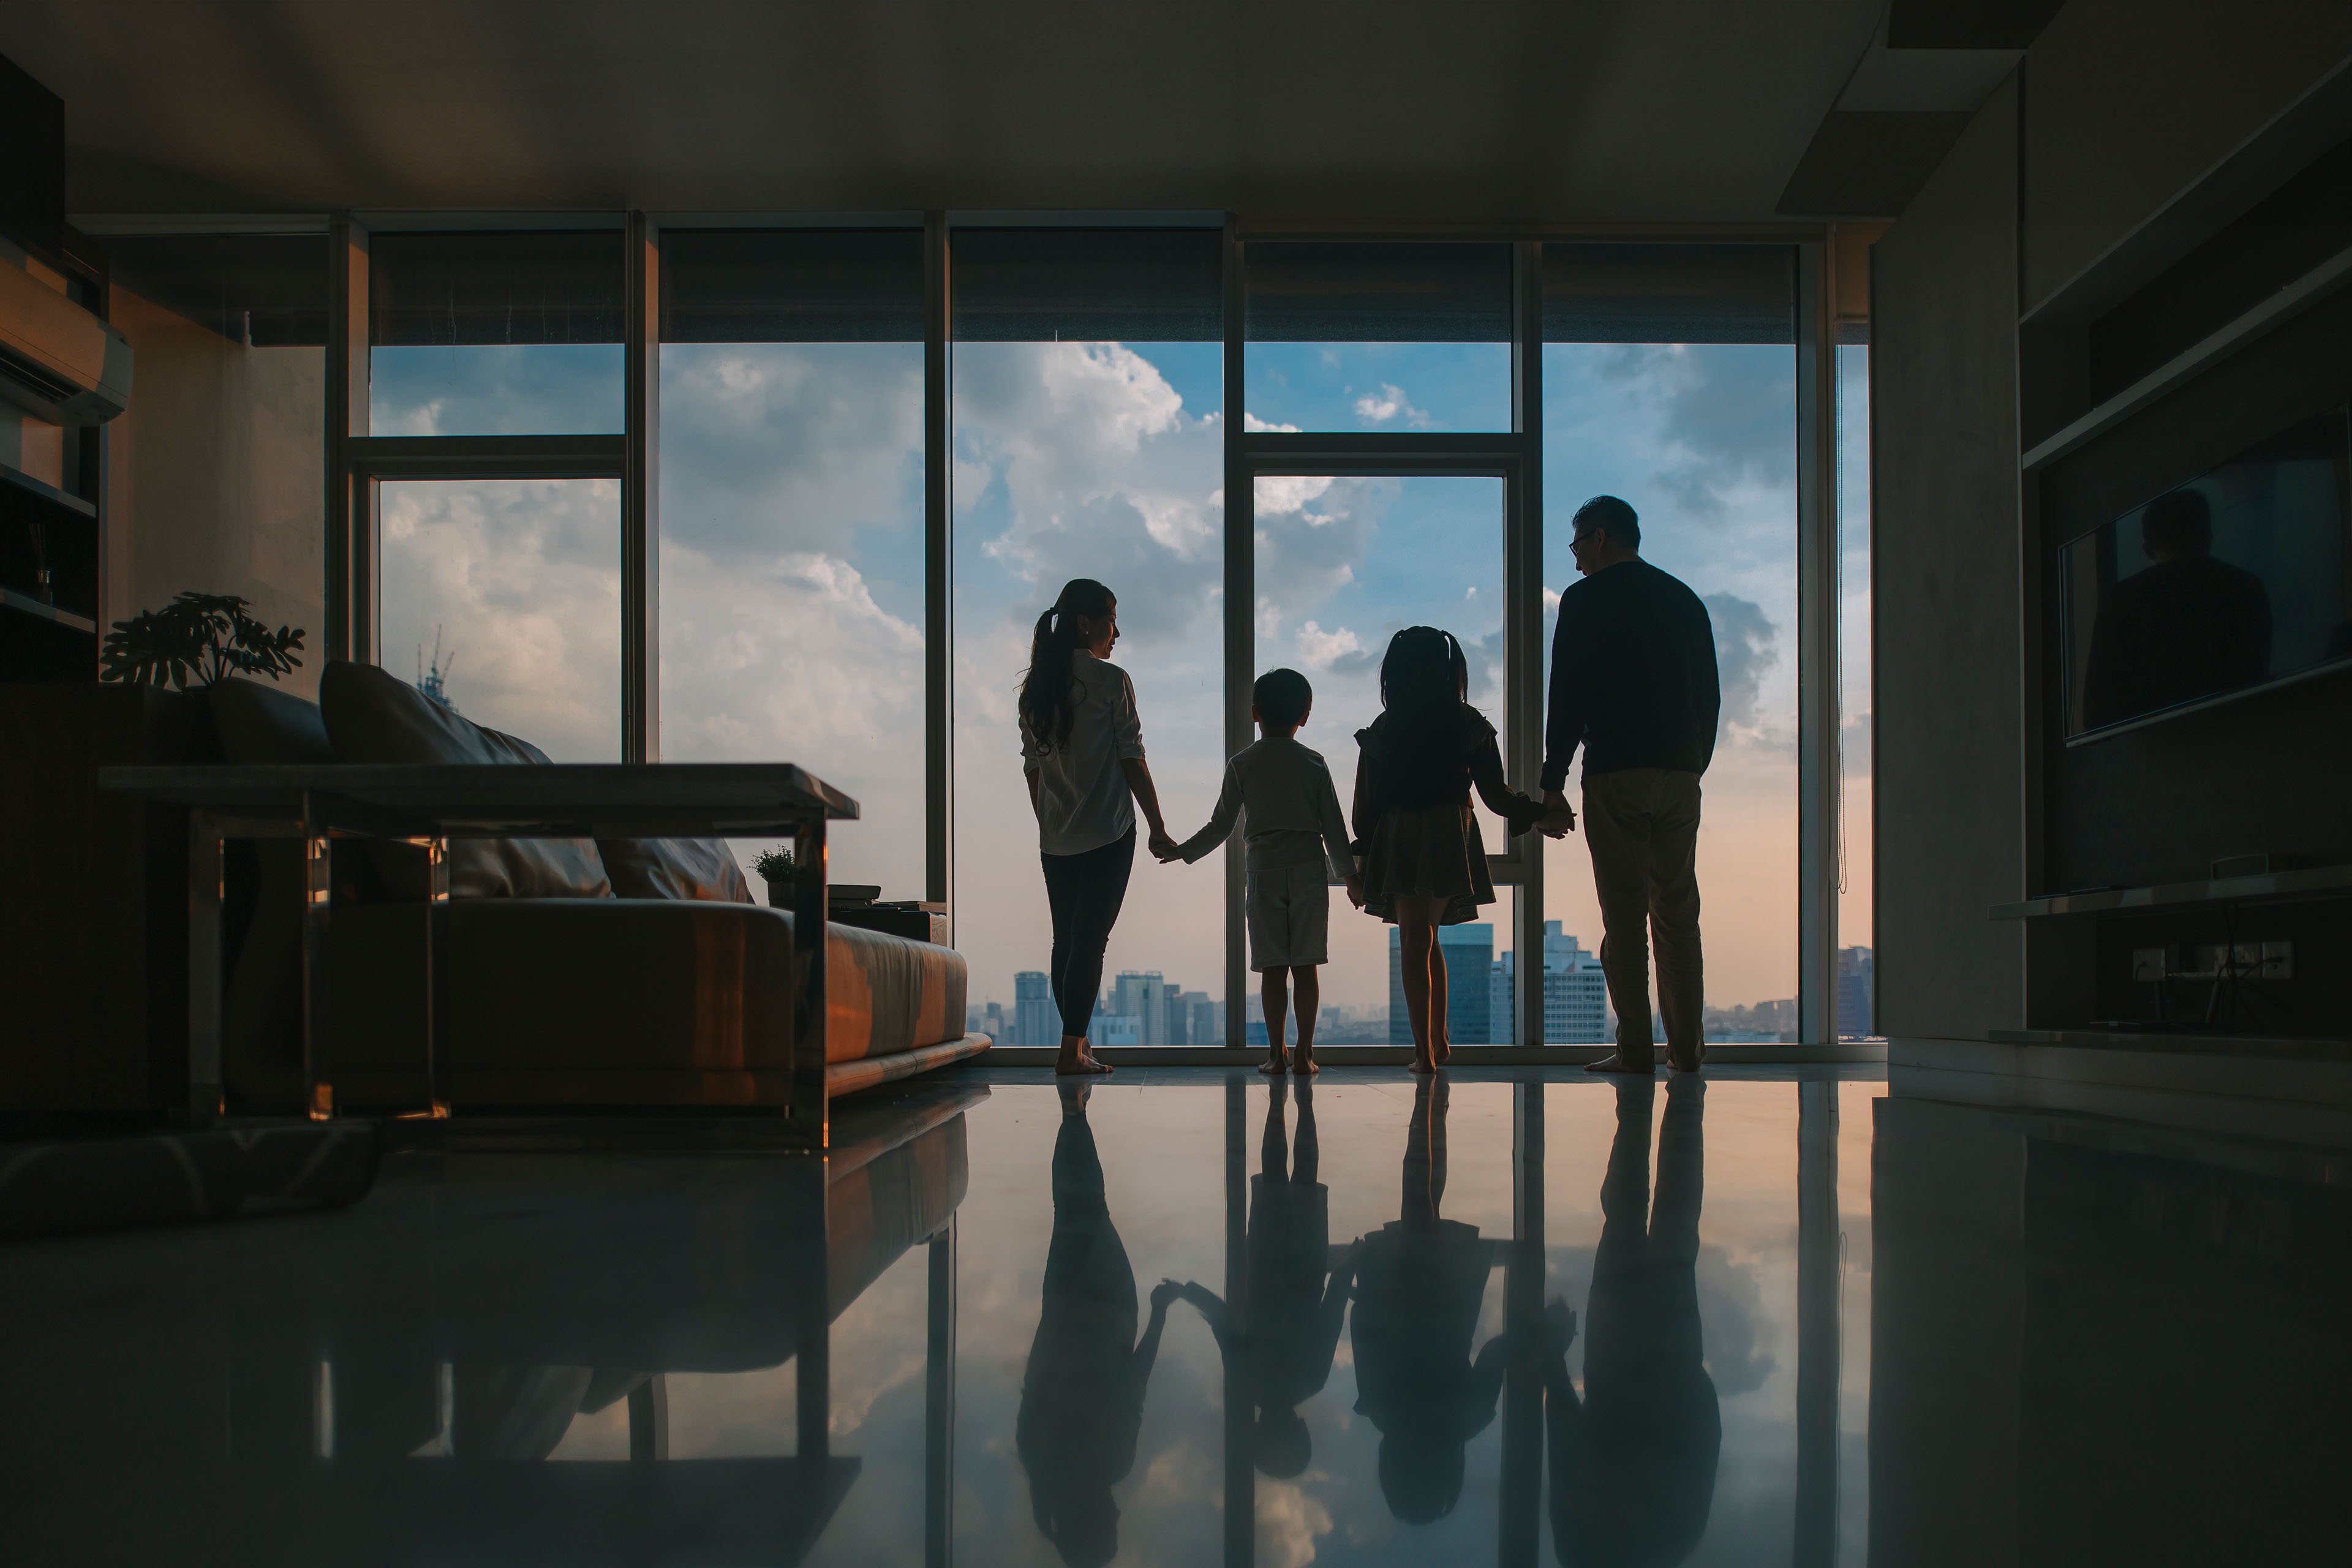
<point>1632,1456</point>
<point>1634,683</point>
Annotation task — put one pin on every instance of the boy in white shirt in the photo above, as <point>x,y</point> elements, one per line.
<point>1296,840</point>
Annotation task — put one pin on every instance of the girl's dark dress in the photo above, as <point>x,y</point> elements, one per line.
<point>1414,825</point>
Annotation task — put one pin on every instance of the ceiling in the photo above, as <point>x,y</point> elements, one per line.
<point>1645,112</point>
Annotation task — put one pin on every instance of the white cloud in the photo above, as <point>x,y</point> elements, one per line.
<point>1252,422</point>
<point>1318,647</point>
<point>1288,1520</point>
<point>1380,407</point>
<point>1280,493</point>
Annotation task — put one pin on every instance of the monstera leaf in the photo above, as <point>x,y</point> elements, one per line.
<point>198,636</point>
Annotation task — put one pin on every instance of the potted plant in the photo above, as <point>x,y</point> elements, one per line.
<point>207,636</point>
<point>775,868</point>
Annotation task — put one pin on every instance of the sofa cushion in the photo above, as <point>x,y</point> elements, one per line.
<point>674,869</point>
<point>375,716</point>
<point>264,726</point>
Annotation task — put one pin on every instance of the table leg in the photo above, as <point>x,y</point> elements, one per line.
<point>806,1114</point>
<point>204,893</point>
<point>318,902</point>
<point>437,975</point>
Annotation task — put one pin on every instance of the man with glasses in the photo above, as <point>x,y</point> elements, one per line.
<point>1633,682</point>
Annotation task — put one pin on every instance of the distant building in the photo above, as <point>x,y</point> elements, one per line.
<point>1856,993</point>
<point>1142,994</point>
<point>1469,952</point>
<point>1576,994</point>
<point>1035,1020</point>
<point>1114,1029</point>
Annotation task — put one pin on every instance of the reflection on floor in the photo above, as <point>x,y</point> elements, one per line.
<point>1189,1317</point>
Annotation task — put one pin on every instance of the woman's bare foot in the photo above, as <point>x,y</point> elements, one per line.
<point>1274,1066</point>
<point>1423,1064</point>
<point>1307,1067</point>
<point>1077,1061</point>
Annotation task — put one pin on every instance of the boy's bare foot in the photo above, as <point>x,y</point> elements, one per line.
<point>1307,1066</point>
<point>1274,1066</point>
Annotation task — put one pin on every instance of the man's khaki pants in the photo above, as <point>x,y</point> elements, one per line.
<point>1642,826</point>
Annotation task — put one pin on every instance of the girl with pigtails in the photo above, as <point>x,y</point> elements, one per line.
<point>1082,750</point>
<point>1425,861</point>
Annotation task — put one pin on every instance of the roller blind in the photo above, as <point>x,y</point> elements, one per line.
<point>792,286</point>
<point>560,285</point>
<point>265,290</point>
<point>1352,292</point>
<point>1669,294</point>
<point>1129,285</point>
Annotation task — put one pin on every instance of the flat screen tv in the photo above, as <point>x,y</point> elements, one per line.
<point>2230,583</point>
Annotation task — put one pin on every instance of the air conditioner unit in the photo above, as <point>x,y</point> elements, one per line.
<point>57,361</point>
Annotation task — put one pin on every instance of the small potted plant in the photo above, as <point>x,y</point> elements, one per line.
<point>204,636</point>
<point>775,868</point>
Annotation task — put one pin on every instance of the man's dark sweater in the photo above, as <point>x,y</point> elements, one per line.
<point>1633,676</point>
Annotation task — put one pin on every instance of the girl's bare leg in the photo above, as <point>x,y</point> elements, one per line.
<point>1416,936</point>
<point>1307,988</point>
<point>1441,1037</point>
<point>1275,995</point>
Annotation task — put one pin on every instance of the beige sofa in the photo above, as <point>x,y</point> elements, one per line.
<point>577,972</point>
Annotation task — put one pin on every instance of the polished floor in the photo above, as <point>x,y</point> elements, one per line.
<point>1189,1317</point>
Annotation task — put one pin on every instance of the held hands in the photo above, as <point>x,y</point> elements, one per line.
<point>1356,890</point>
<point>1164,849</point>
<point>1559,819</point>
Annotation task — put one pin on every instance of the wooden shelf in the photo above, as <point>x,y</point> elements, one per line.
<point>17,479</point>
<point>25,603</point>
<point>2211,891</point>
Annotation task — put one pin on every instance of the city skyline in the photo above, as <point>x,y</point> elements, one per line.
<point>1143,1007</point>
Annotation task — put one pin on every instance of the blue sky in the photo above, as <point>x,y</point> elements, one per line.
<point>791,596</point>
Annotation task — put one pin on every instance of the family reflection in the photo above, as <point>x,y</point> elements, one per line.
<point>1633,1463</point>
<point>1632,1454</point>
<point>1082,1398</point>
<point>1297,1301</point>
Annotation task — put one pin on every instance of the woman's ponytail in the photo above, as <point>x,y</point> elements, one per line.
<point>1046,699</point>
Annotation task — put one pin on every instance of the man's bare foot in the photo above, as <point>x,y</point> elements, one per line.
<point>1274,1066</point>
<point>1307,1066</point>
<point>1611,1063</point>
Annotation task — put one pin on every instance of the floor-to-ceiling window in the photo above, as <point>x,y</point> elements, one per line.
<point>791,520</point>
<point>1086,436</point>
<point>1382,343</point>
<point>1670,381</point>
<point>1088,417</point>
<point>501,594</point>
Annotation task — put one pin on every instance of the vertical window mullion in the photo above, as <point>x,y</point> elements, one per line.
<point>1241,625</point>
<point>938,585</point>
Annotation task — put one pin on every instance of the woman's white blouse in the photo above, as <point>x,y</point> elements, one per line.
<point>1082,795</point>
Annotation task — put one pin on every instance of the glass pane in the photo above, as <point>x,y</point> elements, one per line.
<point>1857,968</point>
<point>495,334</point>
<point>1392,337</point>
<point>1343,564</point>
<point>506,596</point>
<point>1700,438</point>
<point>792,511</point>
<point>1102,460</point>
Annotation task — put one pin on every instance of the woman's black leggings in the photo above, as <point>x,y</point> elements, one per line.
<point>1085,892</point>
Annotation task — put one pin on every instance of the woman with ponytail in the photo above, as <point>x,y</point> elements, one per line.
<point>1082,749</point>
<point>1423,857</point>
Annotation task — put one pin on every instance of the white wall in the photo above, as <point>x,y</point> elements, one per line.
<point>1945,594</point>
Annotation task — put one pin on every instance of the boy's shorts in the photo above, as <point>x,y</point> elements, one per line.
<point>1289,911</point>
